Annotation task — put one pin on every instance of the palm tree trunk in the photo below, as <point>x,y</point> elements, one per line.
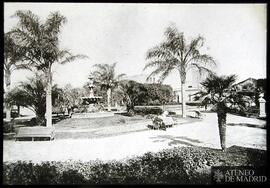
<point>19,109</point>
<point>221,113</point>
<point>49,99</point>
<point>183,97</point>
<point>8,82</point>
<point>109,92</point>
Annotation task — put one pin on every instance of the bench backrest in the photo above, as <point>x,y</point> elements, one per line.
<point>35,130</point>
<point>167,120</point>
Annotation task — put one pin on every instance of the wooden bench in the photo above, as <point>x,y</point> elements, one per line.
<point>35,132</point>
<point>197,114</point>
<point>168,121</point>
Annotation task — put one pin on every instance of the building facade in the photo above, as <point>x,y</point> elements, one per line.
<point>193,86</point>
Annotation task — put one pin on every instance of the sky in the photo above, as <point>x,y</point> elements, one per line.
<point>235,36</point>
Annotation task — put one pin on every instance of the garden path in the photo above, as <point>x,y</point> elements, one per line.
<point>202,133</point>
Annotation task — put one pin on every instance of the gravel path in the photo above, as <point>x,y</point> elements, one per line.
<point>203,133</point>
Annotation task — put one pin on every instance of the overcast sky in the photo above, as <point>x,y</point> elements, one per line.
<point>235,35</point>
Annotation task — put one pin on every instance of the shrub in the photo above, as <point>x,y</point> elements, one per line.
<point>183,165</point>
<point>23,173</point>
<point>194,103</point>
<point>148,110</point>
<point>32,122</point>
<point>8,127</point>
<point>172,113</point>
<point>72,177</point>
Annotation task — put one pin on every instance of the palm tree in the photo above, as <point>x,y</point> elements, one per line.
<point>220,92</point>
<point>13,61</point>
<point>175,54</point>
<point>41,44</point>
<point>106,77</point>
<point>32,95</point>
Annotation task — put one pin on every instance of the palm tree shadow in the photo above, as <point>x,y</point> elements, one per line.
<point>175,140</point>
<point>248,125</point>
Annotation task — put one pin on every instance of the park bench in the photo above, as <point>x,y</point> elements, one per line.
<point>35,132</point>
<point>197,114</point>
<point>168,121</point>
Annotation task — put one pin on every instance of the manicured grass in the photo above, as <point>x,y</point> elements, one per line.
<point>184,165</point>
<point>68,128</point>
<point>99,127</point>
<point>97,122</point>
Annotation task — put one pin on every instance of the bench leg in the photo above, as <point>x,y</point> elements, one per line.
<point>33,139</point>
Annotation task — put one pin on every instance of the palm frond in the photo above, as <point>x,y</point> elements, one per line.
<point>219,87</point>
<point>112,67</point>
<point>71,58</point>
<point>157,63</point>
<point>159,53</point>
<point>100,67</point>
<point>14,55</point>
<point>176,40</point>
<point>163,68</point>
<point>201,69</point>
<point>53,23</point>
<point>28,21</point>
<point>22,66</point>
<point>120,76</point>
<point>165,74</point>
<point>204,58</point>
<point>193,46</point>
<point>105,76</point>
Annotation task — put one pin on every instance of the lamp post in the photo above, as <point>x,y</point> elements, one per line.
<point>262,106</point>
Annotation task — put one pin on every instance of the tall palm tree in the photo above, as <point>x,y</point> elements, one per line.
<point>106,77</point>
<point>41,44</point>
<point>13,60</point>
<point>176,54</point>
<point>220,92</point>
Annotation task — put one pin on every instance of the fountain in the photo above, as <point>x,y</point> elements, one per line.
<point>91,100</point>
<point>94,109</point>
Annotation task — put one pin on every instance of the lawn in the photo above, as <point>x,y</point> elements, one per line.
<point>69,128</point>
<point>103,127</point>
<point>99,127</point>
<point>108,126</point>
<point>97,122</point>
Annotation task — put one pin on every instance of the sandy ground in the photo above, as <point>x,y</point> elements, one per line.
<point>203,133</point>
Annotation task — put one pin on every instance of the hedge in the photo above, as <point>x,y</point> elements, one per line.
<point>148,110</point>
<point>184,165</point>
